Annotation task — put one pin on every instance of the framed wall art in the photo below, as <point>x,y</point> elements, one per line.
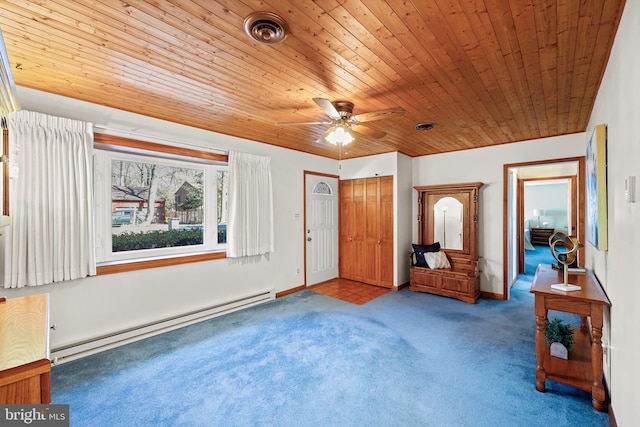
<point>596,165</point>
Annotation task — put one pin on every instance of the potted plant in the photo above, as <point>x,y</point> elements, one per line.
<point>559,336</point>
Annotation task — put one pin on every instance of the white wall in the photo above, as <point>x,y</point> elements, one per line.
<point>554,201</point>
<point>369,166</point>
<point>93,306</point>
<point>486,165</point>
<point>404,217</point>
<point>618,106</point>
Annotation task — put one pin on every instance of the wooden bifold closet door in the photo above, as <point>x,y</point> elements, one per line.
<point>366,230</point>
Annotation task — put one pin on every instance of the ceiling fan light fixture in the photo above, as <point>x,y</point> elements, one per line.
<point>340,135</point>
<point>266,27</point>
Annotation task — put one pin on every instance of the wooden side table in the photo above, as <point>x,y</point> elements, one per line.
<point>24,350</point>
<point>540,235</point>
<point>583,370</point>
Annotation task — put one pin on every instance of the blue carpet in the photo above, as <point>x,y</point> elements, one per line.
<point>403,359</point>
<point>539,255</point>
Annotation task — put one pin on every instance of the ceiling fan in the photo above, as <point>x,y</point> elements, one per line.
<point>343,121</point>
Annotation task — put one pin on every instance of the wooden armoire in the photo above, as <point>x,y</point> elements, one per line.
<point>462,280</point>
<point>366,230</point>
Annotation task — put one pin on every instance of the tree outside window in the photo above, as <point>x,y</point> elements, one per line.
<point>155,205</point>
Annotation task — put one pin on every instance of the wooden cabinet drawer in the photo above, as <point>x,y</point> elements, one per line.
<point>540,235</point>
<point>24,350</point>
<point>424,278</point>
<point>454,283</point>
<point>457,284</point>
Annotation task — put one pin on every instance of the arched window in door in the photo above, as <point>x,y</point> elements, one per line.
<point>322,188</point>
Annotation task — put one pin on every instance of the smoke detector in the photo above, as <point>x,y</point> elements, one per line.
<point>265,27</point>
<point>425,126</point>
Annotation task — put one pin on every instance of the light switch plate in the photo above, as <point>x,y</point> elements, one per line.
<point>630,189</point>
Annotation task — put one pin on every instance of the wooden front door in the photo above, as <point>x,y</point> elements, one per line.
<point>321,235</point>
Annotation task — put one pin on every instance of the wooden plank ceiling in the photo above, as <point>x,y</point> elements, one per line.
<point>487,72</point>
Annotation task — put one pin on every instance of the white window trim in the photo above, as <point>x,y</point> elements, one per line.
<point>103,156</point>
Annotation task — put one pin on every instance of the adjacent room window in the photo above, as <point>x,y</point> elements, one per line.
<point>157,204</point>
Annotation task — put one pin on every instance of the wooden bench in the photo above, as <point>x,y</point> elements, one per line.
<point>461,281</point>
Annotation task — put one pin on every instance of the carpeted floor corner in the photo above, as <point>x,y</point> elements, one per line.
<point>403,359</point>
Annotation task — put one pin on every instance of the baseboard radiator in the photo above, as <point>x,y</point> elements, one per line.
<point>104,342</point>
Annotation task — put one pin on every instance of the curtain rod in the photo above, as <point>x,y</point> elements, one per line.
<point>157,138</point>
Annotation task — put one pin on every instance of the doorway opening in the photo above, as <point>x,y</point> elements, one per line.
<point>540,198</point>
<point>548,207</point>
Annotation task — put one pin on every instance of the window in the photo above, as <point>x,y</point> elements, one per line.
<point>157,202</point>
<point>322,188</point>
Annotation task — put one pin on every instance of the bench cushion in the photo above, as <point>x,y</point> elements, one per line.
<point>437,260</point>
<point>420,250</point>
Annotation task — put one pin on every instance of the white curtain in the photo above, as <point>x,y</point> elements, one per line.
<point>51,236</point>
<point>250,199</point>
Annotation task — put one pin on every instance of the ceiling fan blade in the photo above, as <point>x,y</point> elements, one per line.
<point>379,115</point>
<point>301,123</point>
<point>327,107</point>
<point>367,131</point>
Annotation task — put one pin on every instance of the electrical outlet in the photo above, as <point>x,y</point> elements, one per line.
<point>297,271</point>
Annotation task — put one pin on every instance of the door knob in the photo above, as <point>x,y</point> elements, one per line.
<point>308,239</point>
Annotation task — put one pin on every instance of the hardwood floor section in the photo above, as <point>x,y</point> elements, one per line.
<point>349,290</point>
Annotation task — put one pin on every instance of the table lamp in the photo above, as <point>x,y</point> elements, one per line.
<point>538,213</point>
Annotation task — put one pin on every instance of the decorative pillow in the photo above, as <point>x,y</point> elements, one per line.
<point>437,260</point>
<point>420,250</point>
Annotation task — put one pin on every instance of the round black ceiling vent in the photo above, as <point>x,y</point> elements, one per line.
<point>265,27</point>
<point>425,126</point>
